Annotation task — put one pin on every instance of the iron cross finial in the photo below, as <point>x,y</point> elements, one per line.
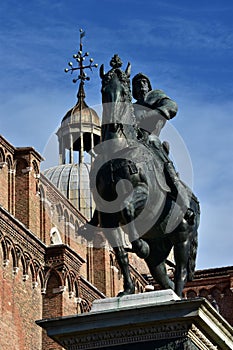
<point>80,57</point>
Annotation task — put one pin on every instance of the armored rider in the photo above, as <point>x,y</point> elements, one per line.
<point>152,109</point>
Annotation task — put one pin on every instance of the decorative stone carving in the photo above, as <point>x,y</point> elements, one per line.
<point>126,336</point>
<point>27,170</point>
<point>200,339</point>
<point>25,277</point>
<point>58,290</point>
<point>15,270</point>
<point>2,164</point>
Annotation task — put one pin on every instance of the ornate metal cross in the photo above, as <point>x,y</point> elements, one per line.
<point>80,57</point>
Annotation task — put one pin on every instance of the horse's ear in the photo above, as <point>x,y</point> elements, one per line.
<point>102,71</point>
<point>128,70</point>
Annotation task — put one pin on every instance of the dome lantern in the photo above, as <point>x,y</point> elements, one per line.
<point>79,131</point>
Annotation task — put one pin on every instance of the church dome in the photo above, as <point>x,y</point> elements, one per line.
<point>81,111</point>
<point>72,180</point>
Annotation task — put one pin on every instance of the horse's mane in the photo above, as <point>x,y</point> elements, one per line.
<point>123,78</point>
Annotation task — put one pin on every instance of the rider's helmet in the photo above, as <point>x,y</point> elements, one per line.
<point>137,77</point>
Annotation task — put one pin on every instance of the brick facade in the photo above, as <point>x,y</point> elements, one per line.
<point>21,276</point>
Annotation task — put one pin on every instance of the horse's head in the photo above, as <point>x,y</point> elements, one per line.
<point>115,85</point>
<point>116,100</point>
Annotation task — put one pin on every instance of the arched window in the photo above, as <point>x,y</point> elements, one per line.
<point>3,180</point>
<point>36,175</point>
<point>72,229</point>
<point>76,227</point>
<point>52,301</point>
<point>191,294</point>
<point>42,214</point>
<point>85,306</point>
<point>66,228</point>
<point>59,212</point>
<point>204,293</point>
<point>10,185</point>
<point>216,294</point>
<point>2,156</point>
<point>22,191</point>
<point>112,276</point>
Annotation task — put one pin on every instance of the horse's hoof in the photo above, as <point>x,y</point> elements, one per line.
<point>128,291</point>
<point>141,248</point>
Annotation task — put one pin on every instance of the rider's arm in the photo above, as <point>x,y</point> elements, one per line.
<point>167,107</point>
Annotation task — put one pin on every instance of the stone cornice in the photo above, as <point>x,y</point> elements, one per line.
<point>7,145</point>
<point>20,235</point>
<point>89,290</point>
<point>62,254</point>
<point>19,151</point>
<point>214,272</point>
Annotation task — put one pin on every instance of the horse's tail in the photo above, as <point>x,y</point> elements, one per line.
<point>194,243</point>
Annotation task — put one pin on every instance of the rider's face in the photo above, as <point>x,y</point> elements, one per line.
<point>141,87</point>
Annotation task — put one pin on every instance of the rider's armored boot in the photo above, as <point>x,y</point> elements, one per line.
<point>182,197</point>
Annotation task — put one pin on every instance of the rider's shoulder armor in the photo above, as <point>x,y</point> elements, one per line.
<point>154,97</point>
<point>157,99</point>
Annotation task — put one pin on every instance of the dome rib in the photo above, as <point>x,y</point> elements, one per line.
<point>72,180</point>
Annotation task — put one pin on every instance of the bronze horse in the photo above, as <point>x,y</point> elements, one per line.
<point>131,196</point>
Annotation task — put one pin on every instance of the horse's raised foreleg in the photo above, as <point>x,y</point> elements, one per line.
<point>139,246</point>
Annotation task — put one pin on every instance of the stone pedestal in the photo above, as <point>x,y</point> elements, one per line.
<point>153,320</point>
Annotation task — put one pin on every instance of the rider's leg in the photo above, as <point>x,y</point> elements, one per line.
<point>182,196</point>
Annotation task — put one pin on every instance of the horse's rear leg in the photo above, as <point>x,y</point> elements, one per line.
<point>123,262</point>
<point>114,236</point>
<point>181,255</point>
<point>159,273</point>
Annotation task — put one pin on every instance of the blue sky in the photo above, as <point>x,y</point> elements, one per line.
<point>185,47</point>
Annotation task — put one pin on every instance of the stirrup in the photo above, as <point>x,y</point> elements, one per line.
<point>189,216</point>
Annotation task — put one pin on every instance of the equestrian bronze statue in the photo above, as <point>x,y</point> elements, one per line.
<point>135,190</point>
